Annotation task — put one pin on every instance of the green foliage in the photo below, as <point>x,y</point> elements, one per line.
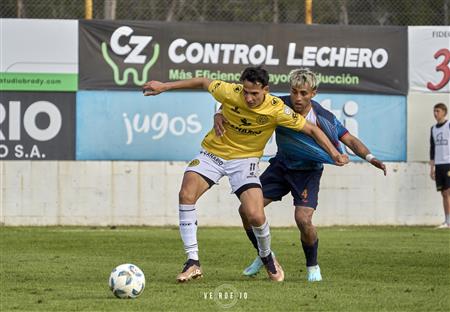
<point>364,269</point>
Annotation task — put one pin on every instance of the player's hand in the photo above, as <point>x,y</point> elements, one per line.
<point>433,175</point>
<point>340,159</point>
<point>219,124</point>
<point>154,87</point>
<point>379,164</point>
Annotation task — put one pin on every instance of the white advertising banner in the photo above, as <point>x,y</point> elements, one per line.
<point>38,55</point>
<point>429,59</point>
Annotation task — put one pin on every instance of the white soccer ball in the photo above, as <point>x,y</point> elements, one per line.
<point>127,281</point>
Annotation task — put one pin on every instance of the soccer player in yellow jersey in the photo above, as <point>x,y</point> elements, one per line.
<point>252,114</point>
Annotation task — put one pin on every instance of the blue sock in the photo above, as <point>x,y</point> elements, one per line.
<point>311,253</point>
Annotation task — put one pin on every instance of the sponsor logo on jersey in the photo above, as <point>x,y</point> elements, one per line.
<point>262,119</point>
<point>287,110</point>
<point>294,117</point>
<point>236,110</point>
<point>275,101</point>
<point>244,122</point>
<point>238,89</point>
<point>216,85</point>
<point>244,131</point>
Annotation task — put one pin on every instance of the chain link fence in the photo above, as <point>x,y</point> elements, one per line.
<point>344,12</point>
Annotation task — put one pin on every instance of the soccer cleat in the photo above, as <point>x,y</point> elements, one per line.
<point>278,276</point>
<point>443,226</point>
<point>255,267</point>
<point>313,273</point>
<point>190,271</point>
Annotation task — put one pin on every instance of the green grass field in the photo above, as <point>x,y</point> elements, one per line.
<point>364,269</point>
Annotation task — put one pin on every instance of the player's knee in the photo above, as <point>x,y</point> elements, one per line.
<point>446,193</point>
<point>303,221</point>
<point>256,219</point>
<point>186,197</point>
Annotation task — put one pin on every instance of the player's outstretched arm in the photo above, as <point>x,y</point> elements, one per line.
<point>362,151</point>
<point>156,87</point>
<point>325,143</point>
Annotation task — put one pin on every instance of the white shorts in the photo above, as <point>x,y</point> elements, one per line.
<point>239,171</point>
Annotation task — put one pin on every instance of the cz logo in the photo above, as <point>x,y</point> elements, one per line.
<point>134,55</point>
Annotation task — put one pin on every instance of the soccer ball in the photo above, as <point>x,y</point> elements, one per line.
<point>127,281</point>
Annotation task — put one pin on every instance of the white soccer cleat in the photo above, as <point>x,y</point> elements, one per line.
<point>313,273</point>
<point>443,226</point>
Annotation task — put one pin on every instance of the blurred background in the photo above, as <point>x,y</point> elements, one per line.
<point>344,12</point>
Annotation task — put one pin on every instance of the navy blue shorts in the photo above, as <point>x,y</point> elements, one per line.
<point>277,181</point>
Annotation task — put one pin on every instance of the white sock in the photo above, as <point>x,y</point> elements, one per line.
<point>188,230</point>
<point>447,219</point>
<point>262,234</point>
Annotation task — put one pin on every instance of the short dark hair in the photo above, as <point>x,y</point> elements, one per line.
<point>255,75</point>
<point>441,106</point>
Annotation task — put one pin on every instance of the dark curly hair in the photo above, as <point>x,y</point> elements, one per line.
<point>255,75</point>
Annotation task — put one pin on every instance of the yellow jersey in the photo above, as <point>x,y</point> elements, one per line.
<point>248,129</point>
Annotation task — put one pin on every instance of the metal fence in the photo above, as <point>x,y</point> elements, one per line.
<point>346,12</point>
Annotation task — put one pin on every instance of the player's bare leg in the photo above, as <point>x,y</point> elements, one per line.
<point>446,203</point>
<point>309,240</point>
<point>257,264</point>
<point>192,187</point>
<point>252,208</point>
<point>303,218</point>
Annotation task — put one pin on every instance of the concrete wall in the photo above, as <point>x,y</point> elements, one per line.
<point>145,193</point>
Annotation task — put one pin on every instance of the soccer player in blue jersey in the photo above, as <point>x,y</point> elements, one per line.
<point>298,165</point>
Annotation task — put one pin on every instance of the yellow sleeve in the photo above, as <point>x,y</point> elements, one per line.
<point>286,117</point>
<point>219,90</point>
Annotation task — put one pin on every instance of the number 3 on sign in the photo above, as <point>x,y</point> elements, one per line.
<point>443,67</point>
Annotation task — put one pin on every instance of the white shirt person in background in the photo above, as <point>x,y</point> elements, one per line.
<point>440,158</point>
